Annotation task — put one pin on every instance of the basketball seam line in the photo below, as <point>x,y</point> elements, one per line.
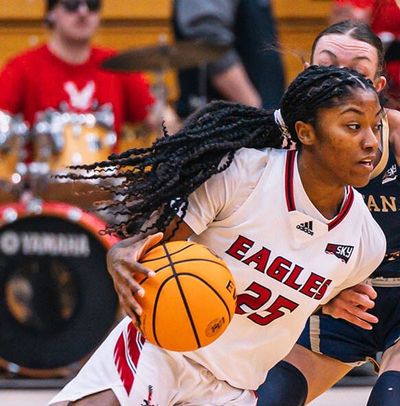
<point>212,288</point>
<point>176,276</point>
<point>174,253</point>
<point>182,261</point>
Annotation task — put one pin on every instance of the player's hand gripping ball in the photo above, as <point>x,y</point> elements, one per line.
<point>190,301</point>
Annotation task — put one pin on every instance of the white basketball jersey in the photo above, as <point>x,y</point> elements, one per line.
<point>286,258</point>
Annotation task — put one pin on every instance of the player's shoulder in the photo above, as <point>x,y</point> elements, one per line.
<point>371,232</point>
<point>373,243</point>
<point>244,171</point>
<point>254,156</point>
<point>250,161</point>
<point>361,210</point>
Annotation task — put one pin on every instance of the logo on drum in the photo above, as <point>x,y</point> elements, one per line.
<point>54,244</point>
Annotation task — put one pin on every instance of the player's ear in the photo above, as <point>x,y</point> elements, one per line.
<point>380,83</point>
<point>305,132</point>
<point>306,64</point>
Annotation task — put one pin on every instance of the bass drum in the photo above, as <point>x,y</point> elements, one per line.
<point>57,298</point>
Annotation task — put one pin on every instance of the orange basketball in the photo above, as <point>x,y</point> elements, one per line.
<point>190,301</point>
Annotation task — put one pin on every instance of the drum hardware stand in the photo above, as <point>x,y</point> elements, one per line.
<point>199,101</point>
<point>160,92</point>
<point>104,116</point>
<point>38,173</point>
<point>49,125</point>
<point>14,133</point>
<point>11,127</point>
<point>162,56</point>
<point>159,87</point>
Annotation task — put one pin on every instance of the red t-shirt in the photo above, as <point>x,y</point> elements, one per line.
<point>385,17</point>
<point>37,80</point>
<point>385,14</point>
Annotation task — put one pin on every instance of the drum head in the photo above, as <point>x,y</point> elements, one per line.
<point>57,301</point>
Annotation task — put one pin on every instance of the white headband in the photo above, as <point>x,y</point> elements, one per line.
<point>282,126</point>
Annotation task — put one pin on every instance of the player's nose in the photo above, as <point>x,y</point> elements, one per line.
<point>370,140</point>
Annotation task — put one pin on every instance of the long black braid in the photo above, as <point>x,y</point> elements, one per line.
<point>151,185</point>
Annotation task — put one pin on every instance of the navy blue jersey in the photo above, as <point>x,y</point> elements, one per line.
<point>382,196</point>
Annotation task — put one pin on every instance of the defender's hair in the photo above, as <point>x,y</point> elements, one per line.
<point>356,30</point>
<point>151,185</point>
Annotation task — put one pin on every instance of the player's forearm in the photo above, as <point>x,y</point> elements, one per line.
<point>235,85</point>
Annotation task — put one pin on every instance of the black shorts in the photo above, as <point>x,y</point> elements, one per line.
<point>351,344</point>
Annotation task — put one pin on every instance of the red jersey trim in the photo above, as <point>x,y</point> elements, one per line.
<point>289,170</point>
<point>290,159</point>
<point>126,355</point>
<point>345,209</point>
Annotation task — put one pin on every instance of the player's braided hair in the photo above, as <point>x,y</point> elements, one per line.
<point>160,178</point>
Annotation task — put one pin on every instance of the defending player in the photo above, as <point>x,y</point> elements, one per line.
<point>329,348</point>
<point>279,218</point>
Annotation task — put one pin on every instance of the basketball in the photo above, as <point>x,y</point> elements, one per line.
<point>190,301</point>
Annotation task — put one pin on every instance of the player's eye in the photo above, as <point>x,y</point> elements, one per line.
<point>378,127</point>
<point>354,126</point>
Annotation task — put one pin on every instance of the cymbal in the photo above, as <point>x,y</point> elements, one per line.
<point>184,54</point>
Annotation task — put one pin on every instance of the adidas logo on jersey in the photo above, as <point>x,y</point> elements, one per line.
<point>307,227</point>
<point>343,252</point>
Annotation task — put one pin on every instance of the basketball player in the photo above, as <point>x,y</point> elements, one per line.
<point>329,347</point>
<point>290,229</point>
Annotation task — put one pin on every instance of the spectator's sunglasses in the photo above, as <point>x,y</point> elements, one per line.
<point>73,5</point>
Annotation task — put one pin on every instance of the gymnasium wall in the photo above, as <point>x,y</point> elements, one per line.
<point>133,23</point>
<point>299,21</point>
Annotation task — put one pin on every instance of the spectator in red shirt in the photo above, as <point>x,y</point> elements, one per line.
<point>384,19</point>
<point>67,70</point>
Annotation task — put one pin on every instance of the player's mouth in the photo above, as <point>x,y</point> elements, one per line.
<point>368,163</point>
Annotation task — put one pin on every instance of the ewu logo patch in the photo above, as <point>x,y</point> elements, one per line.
<point>343,252</point>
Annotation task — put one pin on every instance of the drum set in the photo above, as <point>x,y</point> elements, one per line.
<point>56,293</point>
<point>57,298</point>
<point>57,140</point>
